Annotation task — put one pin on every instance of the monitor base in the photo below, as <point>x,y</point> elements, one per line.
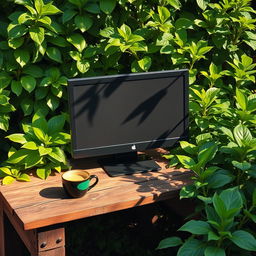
<point>127,164</point>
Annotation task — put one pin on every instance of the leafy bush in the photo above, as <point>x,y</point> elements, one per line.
<point>43,43</point>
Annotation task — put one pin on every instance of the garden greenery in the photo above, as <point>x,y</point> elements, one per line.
<point>43,43</point>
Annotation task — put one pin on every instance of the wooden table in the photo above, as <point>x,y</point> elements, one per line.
<point>39,209</point>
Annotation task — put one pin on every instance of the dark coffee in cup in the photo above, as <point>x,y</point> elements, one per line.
<point>77,182</point>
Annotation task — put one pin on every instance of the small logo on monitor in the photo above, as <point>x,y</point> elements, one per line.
<point>133,147</point>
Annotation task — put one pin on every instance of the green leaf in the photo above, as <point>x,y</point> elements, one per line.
<point>58,155</point>
<point>37,34</point>
<point>40,122</point>
<point>17,137</point>
<point>78,41</point>
<point>125,31</point>
<point>231,198</point>
<point>60,138</point>
<point>196,227</point>
<point>107,6</point>
<point>83,22</point>
<point>241,99</point>
<point>4,171</point>
<point>33,70</point>
<point>164,14</point>
<point>54,54</point>
<point>16,87</point>
<point>28,83</point>
<point>43,173</point>
<point>187,161</point>
<point>18,156</point>
<point>16,42</point>
<point>244,240</point>
<point>188,191</point>
<point>242,135</point>
<point>207,152</point>
<point>17,31</point>
<point>21,56</point>
<point>219,206</point>
<point>44,151</point>
<point>39,5</point>
<point>27,106</point>
<point>192,247</point>
<point>219,179</point>
<point>52,102</point>
<point>50,9</point>
<point>202,4</point>
<point>32,159</point>
<point>8,180</point>
<point>188,147</point>
<point>175,3</point>
<point>39,134</point>
<point>83,66</point>
<point>68,15</point>
<point>56,124</point>
<point>214,251</point>
<point>23,177</point>
<point>30,145</point>
<point>183,23</point>
<point>244,166</point>
<point>169,242</point>
<point>145,63</point>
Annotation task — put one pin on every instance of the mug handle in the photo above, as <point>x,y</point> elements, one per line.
<point>96,181</point>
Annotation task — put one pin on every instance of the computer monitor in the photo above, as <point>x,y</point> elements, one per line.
<point>115,116</point>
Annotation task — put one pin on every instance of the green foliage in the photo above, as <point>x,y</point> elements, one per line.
<point>43,43</point>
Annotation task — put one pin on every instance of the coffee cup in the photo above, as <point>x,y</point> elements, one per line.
<point>76,183</point>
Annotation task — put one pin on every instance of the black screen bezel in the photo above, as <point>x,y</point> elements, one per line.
<point>123,148</point>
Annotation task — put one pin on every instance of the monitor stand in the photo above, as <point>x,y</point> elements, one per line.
<point>127,164</point>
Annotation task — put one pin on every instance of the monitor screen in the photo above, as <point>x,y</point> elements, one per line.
<point>130,112</point>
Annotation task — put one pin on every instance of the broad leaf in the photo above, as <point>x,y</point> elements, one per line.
<point>37,34</point>
<point>54,54</point>
<point>8,180</point>
<point>214,251</point>
<point>17,137</point>
<point>56,124</point>
<point>28,83</point>
<point>107,6</point>
<point>232,198</point>
<point>196,227</point>
<point>22,56</point>
<point>242,135</point>
<point>83,22</point>
<point>244,240</point>
<point>169,242</point>
<point>192,247</point>
<point>43,173</point>
<point>187,161</point>
<point>78,41</point>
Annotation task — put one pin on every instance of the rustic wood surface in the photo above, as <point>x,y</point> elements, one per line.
<point>42,203</point>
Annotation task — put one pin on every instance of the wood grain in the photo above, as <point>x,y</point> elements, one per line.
<point>43,203</point>
<point>54,252</point>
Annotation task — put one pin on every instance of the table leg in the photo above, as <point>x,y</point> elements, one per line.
<point>2,243</point>
<point>51,241</point>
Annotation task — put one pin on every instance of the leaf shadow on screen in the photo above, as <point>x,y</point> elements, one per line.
<point>92,97</point>
<point>147,107</point>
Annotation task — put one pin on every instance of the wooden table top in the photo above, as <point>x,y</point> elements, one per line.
<point>42,203</point>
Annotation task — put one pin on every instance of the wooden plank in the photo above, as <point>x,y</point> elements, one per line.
<point>53,191</point>
<point>50,239</point>
<point>2,241</point>
<point>99,202</point>
<point>54,252</point>
<point>28,237</point>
